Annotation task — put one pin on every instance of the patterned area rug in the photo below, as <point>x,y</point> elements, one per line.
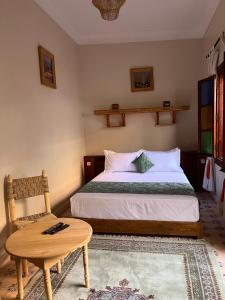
<point>137,268</point>
<point>214,234</point>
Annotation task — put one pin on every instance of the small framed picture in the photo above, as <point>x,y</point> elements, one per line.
<point>47,67</point>
<point>142,79</point>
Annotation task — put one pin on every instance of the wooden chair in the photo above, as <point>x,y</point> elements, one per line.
<point>23,188</point>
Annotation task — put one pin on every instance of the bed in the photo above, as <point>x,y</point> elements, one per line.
<point>160,203</point>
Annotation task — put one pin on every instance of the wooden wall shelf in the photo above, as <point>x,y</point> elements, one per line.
<point>157,110</point>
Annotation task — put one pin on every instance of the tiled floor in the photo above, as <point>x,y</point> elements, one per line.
<point>214,227</point>
<point>214,233</point>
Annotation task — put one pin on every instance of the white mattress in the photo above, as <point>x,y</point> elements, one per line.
<point>136,206</point>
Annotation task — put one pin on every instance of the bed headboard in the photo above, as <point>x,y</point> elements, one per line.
<point>190,163</point>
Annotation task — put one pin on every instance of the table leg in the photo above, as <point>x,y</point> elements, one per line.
<point>59,267</point>
<point>25,267</point>
<point>48,285</point>
<point>19,273</point>
<point>85,262</point>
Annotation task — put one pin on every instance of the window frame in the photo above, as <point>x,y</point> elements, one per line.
<point>212,77</point>
<point>218,161</point>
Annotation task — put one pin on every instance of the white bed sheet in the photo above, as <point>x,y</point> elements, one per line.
<point>137,206</point>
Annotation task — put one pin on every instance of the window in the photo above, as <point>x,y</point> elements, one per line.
<point>211,116</point>
<point>206,115</point>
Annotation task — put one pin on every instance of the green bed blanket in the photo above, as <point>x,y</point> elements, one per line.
<point>166,188</point>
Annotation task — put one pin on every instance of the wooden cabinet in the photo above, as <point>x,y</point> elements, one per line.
<point>188,163</point>
<point>93,165</point>
<point>192,163</point>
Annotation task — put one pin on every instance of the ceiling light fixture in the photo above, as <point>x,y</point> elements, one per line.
<point>109,9</point>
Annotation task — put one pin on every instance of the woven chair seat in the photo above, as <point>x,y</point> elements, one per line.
<point>24,221</point>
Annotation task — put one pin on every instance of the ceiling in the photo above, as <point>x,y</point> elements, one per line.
<point>139,20</point>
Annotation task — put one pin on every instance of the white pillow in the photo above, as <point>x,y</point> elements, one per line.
<point>120,162</point>
<point>164,161</point>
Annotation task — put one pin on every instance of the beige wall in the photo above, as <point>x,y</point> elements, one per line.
<point>105,80</point>
<point>39,127</point>
<point>216,27</point>
<point>43,128</point>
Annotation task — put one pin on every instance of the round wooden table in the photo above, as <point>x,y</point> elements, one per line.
<point>45,250</point>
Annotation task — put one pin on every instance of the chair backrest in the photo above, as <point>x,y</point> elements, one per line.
<point>22,188</point>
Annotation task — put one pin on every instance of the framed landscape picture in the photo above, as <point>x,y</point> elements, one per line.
<point>142,79</point>
<point>47,67</point>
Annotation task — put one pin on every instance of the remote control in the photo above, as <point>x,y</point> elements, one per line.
<point>59,228</point>
<point>52,228</point>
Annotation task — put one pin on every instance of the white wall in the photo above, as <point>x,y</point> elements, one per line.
<point>106,80</point>
<point>39,127</point>
<point>216,27</point>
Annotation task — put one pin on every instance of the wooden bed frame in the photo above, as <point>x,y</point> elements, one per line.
<point>136,227</point>
<point>94,165</point>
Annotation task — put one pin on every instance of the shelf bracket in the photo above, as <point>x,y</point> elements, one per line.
<point>157,118</point>
<point>121,124</point>
<point>174,117</point>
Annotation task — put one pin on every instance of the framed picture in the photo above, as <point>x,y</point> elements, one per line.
<point>142,79</point>
<point>47,67</point>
